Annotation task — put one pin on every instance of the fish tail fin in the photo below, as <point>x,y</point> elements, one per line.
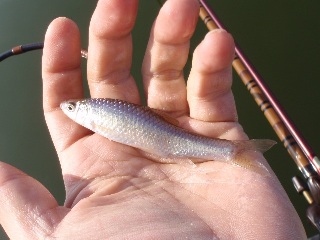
<point>247,161</point>
<point>257,145</point>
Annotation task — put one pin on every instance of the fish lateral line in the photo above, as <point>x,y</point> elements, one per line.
<point>143,128</point>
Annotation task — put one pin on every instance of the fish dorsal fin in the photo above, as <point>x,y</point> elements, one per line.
<point>166,117</point>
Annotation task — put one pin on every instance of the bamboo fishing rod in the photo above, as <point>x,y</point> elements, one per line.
<point>299,150</point>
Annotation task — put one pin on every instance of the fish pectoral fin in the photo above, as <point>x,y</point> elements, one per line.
<point>166,117</point>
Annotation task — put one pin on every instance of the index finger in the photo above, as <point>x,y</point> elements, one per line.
<point>62,80</point>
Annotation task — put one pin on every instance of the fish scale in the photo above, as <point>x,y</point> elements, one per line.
<point>140,127</point>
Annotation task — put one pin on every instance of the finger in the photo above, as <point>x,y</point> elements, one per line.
<point>110,50</point>
<point>27,207</point>
<point>209,84</point>
<point>61,80</point>
<point>167,53</point>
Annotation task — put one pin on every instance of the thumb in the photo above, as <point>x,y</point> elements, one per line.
<point>28,210</point>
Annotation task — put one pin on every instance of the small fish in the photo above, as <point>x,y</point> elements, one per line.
<point>142,127</point>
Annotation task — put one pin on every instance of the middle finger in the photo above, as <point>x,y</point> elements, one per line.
<point>166,55</point>
<point>110,50</point>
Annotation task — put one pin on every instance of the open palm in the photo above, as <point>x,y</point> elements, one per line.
<point>114,191</point>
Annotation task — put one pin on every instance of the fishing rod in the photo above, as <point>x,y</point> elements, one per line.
<point>20,49</point>
<point>29,47</point>
<point>300,151</point>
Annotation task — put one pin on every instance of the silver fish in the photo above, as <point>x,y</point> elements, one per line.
<point>141,127</point>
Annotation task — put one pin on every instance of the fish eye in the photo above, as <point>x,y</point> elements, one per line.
<point>71,106</point>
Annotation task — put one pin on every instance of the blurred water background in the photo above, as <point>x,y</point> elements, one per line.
<point>281,39</point>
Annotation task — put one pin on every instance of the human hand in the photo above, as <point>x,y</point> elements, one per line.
<point>112,190</point>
